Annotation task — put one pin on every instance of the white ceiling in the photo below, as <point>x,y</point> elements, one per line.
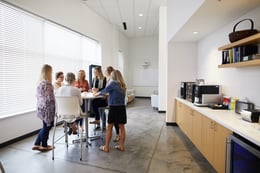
<point>211,15</point>
<point>119,11</point>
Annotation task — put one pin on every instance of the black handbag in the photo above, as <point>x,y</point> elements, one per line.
<point>238,35</point>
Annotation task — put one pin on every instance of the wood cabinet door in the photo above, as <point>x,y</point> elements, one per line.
<point>207,138</point>
<point>187,121</point>
<point>196,129</point>
<point>219,151</point>
<point>179,113</point>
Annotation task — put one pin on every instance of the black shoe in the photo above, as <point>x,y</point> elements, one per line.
<point>70,131</point>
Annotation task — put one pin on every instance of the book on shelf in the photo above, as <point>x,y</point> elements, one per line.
<point>240,54</point>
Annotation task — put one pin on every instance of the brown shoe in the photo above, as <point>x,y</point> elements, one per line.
<point>36,147</point>
<point>45,149</point>
<point>95,122</point>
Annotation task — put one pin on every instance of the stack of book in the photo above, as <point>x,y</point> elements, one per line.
<point>240,54</point>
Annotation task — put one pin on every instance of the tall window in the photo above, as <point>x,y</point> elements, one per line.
<point>26,43</point>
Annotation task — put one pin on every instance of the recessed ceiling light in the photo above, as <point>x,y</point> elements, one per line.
<point>195,32</point>
<point>140,14</point>
<point>139,27</point>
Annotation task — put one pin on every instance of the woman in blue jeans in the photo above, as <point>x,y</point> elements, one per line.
<point>45,108</point>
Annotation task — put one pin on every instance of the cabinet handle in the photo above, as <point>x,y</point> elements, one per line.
<point>227,156</point>
<point>215,126</point>
<point>211,125</point>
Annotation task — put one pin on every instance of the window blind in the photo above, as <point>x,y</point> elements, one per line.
<point>26,43</point>
<point>21,58</point>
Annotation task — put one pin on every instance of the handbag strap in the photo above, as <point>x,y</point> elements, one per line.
<point>251,21</point>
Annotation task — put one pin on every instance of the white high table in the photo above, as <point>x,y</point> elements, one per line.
<point>87,96</point>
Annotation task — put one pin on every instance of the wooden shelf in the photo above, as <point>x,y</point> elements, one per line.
<point>250,63</point>
<point>254,39</point>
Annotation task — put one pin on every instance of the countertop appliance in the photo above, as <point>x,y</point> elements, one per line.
<point>250,115</point>
<point>187,91</point>
<point>207,94</point>
<point>240,105</point>
<point>243,155</point>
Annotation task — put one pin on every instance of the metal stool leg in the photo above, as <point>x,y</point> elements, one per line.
<point>2,168</point>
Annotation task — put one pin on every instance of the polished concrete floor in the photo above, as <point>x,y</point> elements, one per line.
<point>151,147</point>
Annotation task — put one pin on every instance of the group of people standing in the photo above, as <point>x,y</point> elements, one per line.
<point>112,86</point>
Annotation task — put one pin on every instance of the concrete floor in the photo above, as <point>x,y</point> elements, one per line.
<point>151,147</point>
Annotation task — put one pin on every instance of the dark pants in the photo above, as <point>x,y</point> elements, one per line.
<point>117,128</point>
<point>96,103</point>
<point>43,135</point>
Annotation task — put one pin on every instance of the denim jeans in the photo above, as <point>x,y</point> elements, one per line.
<point>43,135</point>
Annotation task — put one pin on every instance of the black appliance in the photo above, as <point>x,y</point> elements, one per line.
<point>207,94</point>
<point>187,91</point>
<point>243,155</point>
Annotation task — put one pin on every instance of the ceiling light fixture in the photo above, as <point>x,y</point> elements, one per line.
<point>140,14</point>
<point>195,32</point>
<point>139,27</point>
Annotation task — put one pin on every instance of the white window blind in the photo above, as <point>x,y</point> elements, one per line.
<point>62,49</point>
<point>26,43</point>
<point>21,58</point>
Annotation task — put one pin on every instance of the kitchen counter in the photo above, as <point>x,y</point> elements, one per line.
<point>230,120</point>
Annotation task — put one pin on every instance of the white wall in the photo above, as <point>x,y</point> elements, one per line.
<point>179,13</point>
<point>182,60</point>
<point>76,16</point>
<point>236,82</point>
<point>143,80</point>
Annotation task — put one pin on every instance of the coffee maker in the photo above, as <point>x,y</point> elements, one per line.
<point>207,94</point>
<point>187,91</point>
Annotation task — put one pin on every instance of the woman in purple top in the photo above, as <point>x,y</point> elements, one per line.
<point>45,108</point>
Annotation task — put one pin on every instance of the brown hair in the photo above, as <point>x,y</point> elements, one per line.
<point>58,74</point>
<point>116,75</point>
<point>110,69</point>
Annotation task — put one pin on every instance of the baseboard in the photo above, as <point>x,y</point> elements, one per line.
<point>142,97</point>
<point>161,111</point>
<point>19,138</point>
<point>12,141</point>
<point>171,124</point>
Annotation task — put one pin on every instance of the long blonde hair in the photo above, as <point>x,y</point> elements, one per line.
<point>116,75</point>
<point>46,73</point>
<point>99,70</point>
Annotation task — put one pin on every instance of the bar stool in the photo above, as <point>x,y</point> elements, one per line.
<point>103,116</point>
<point>2,168</point>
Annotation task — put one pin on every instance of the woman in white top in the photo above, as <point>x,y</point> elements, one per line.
<point>70,90</point>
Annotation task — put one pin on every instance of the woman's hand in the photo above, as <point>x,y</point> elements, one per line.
<point>95,94</point>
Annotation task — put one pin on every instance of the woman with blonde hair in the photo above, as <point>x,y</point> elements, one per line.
<point>117,110</point>
<point>99,83</point>
<point>82,84</point>
<point>45,108</point>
